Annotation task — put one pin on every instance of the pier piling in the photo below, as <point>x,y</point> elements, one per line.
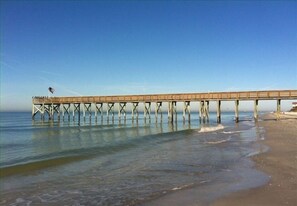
<point>135,110</point>
<point>76,109</point>
<point>236,111</point>
<point>66,109</point>
<point>87,109</point>
<point>172,112</point>
<point>158,109</point>
<point>256,102</point>
<point>98,109</point>
<point>147,110</point>
<point>122,110</point>
<point>186,110</point>
<point>278,106</point>
<point>218,111</point>
<point>110,110</point>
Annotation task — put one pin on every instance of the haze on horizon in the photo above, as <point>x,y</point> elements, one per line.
<point>131,47</point>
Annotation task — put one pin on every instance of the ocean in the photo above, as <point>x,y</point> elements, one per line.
<point>125,162</point>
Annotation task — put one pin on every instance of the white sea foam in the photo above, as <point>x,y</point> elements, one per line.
<point>181,187</point>
<point>231,132</point>
<point>211,129</point>
<point>19,200</point>
<point>219,141</point>
<point>204,181</point>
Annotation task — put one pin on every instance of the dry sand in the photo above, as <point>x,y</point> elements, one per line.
<point>280,163</point>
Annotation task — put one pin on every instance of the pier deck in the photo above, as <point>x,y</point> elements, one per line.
<point>52,105</point>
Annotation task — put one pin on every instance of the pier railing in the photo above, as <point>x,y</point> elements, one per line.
<point>225,96</point>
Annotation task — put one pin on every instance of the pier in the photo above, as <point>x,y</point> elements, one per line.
<point>64,107</point>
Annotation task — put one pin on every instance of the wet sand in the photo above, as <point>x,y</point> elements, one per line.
<point>280,163</point>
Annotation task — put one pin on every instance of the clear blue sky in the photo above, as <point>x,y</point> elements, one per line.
<point>118,47</point>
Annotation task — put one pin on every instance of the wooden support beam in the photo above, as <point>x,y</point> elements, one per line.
<point>47,109</point>
<point>201,110</point>
<point>66,109</point>
<point>236,111</point>
<point>51,111</point>
<point>135,110</point>
<point>98,109</point>
<point>147,109</point>
<point>84,111</point>
<point>43,111</point>
<point>187,110</point>
<point>87,108</point>
<point>256,109</point>
<point>172,111</point>
<point>56,108</point>
<point>169,111</point>
<point>158,109</point>
<point>122,109</point>
<point>76,108</point>
<point>206,110</point>
<point>110,109</point>
<point>218,111</point>
<point>37,108</point>
<point>278,107</point>
<point>63,111</point>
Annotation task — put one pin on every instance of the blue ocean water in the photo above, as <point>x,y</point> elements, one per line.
<point>123,162</point>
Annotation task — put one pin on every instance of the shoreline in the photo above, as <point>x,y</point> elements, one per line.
<point>280,163</point>
<point>266,178</point>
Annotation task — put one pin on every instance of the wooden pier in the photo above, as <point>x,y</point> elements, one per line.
<point>62,106</point>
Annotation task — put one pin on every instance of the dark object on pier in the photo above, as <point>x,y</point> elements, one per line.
<point>51,90</point>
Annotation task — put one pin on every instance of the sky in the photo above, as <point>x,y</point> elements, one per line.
<point>144,47</point>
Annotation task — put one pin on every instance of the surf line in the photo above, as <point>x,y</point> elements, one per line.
<point>211,129</point>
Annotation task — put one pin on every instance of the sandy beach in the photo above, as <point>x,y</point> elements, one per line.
<point>280,163</point>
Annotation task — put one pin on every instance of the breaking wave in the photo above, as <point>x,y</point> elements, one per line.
<point>211,129</point>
